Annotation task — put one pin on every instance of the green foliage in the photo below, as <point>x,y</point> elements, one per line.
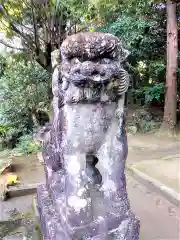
<point>23,87</point>
<point>141,36</point>
<point>42,26</point>
<point>147,126</point>
<point>150,93</point>
<point>105,10</point>
<point>157,70</point>
<point>26,145</point>
<point>140,120</point>
<point>2,65</point>
<point>3,130</point>
<point>143,126</point>
<point>144,36</point>
<point>154,92</point>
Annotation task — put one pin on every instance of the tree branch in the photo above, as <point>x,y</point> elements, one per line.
<point>82,29</point>
<point>32,42</point>
<point>10,46</point>
<point>14,28</point>
<point>35,26</point>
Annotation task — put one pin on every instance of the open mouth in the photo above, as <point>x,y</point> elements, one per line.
<point>91,91</point>
<point>88,72</point>
<point>80,87</point>
<point>91,81</point>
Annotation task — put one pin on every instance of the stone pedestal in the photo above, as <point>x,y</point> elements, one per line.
<point>54,226</point>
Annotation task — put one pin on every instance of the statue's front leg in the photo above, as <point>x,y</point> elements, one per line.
<point>112,157</point>
<point>78,201</point>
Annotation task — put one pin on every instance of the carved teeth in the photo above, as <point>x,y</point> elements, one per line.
<point>97,78</point>
<point>78,95</point>
<point>104,97</point>
<point>87,93</point>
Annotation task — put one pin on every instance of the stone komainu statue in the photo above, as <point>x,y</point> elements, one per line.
<point>85,191</point>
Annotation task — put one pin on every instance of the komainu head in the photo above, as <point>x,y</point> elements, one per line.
<point>91,68</point>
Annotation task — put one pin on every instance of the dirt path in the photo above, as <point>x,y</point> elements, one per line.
<point>159,219</point>
<point>150,146</point>
<point>28,169</point>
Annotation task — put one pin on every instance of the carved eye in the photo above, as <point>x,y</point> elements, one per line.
<point>95,72</point>
<point>77,71</point>
<point>102,73</point>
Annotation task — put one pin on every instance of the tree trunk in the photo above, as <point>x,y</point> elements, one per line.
<point>169,119</point>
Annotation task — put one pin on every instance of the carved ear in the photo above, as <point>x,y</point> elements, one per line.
<point>55,58</point>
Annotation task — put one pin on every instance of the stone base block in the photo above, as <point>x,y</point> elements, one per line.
<point>50,223</point>
<point>112,227</point>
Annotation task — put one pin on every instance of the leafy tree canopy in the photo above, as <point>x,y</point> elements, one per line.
<point>23,89</point>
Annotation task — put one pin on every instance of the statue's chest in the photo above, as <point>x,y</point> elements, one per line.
<point>85,125</point>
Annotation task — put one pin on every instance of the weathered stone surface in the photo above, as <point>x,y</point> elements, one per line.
<point>85,194</point>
